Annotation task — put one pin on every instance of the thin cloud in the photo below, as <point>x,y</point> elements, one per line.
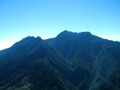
<point>6,44</point>
<point>111,37</point>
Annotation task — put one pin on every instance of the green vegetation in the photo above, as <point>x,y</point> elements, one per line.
<point>71,61</point>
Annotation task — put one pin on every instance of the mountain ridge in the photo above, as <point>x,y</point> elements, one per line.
<point>70,61</point>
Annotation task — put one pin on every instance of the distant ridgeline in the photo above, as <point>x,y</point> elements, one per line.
<point>70,61</point>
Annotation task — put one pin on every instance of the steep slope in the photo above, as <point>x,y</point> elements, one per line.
<point>33,65</point>
<point>70,61</point>
<point>92,59</point>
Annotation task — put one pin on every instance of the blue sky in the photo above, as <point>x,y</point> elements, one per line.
<point>47,18</point>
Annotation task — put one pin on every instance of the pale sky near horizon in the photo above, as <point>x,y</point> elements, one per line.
<point>47,18</point>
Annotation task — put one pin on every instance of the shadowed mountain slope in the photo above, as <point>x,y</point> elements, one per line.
<point>92,58</point>
<point>33,59</point>
<point>70,61</point>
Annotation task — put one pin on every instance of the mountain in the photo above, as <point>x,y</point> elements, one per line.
<point>70,61</point>
<point>92,59</point>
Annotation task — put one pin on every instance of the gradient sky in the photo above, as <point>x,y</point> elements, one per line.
<point>47,18</point>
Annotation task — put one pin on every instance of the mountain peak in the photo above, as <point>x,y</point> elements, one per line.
<point>27,41</point>
<point>88,33</point>
<point>85,34</point>
<point>31,39</point>
<point>65,33</point>
<point>69,34</point>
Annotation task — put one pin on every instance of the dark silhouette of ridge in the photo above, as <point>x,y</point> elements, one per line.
<point>70,61</point>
